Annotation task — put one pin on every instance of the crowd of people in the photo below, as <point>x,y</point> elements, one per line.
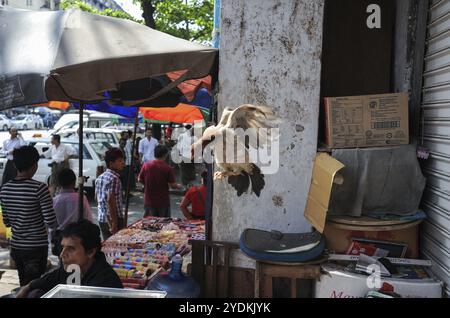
<point>38,214</point>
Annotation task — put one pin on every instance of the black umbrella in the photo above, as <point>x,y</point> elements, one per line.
<point>77,56</point>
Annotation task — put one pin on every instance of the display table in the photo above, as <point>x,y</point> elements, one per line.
<point>141,250</point>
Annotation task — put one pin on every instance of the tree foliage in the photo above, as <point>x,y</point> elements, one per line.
<point>188,19</point>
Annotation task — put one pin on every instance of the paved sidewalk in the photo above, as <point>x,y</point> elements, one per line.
<point>10,279</point>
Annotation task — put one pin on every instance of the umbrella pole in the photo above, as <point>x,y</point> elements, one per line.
<point>130,172</point>
<point>80,163</point>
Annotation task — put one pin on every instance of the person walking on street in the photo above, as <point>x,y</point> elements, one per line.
<point>59,155</point>
<point>187,167</point>
<point>157,176</point>
<point>108,191</point>
<point>147,147</point>
<point>27,208</point>
<point>125,146</point>
<point>65,204</point>
<point>16,141</point>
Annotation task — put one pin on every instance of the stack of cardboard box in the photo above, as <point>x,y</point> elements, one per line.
<point>361,122</point>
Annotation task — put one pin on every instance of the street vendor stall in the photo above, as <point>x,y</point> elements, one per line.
<point>138,252</point>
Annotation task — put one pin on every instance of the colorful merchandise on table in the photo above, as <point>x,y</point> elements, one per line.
<point>139,251</point>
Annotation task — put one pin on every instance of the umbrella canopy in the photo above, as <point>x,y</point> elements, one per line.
<point>54,105</point>
<point>202,100</point>
<point>77,56</point>
<point>183,113</point>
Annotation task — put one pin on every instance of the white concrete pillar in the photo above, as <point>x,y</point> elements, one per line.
<point>270,55</point>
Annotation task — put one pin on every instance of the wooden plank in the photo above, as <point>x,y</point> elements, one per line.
<point>218,243</point>
<point>241,281</point>
<point>257,279</point>
<point>226,265</point>
<point>293,288</point>
<point>267,286</point>
<point>298,271</point>
<point>215,256</point>
<point>198,266</point>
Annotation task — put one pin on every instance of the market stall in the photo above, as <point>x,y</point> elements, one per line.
<point>140,251</point>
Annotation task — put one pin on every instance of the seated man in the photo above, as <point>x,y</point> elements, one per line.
<point>195,196</point>
<point>81,246</point>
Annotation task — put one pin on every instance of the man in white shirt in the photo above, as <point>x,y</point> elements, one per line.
<point>187,168</point>
<point>9,145</point>
<point>59,154</point>
<point>147,147</point>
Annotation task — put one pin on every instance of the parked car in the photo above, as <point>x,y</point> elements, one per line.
<point>5,122</point>
<point>25,122</point>
<point>93,160</point>
<point>91,119</point>
<point>111,136</point>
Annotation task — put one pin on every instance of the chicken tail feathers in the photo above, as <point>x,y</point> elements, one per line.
<point>240,182</point>
<point>257,179</point>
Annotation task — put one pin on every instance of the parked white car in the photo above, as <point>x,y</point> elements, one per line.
<point>93,160</point>
<point>111,136</point>
<point>25,122</point>
<point>91,119</point>
<point>5,122</point>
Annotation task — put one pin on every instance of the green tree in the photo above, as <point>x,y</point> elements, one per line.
<point>188,19</point>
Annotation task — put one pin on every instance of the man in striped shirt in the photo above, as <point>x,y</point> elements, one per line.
<point>28,209</point>
<point>108,191</point>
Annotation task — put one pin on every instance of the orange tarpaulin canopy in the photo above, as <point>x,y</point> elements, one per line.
<point>182,113</point>
<point>55,105</point>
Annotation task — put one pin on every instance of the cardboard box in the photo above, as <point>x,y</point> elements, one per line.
<point>336,283</point>
<point>366,121</point>
<point>325,174</point>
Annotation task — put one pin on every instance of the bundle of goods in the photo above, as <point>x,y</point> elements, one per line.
<point>130,238</point>
<point>155,224</point>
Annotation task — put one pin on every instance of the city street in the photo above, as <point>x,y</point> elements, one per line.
<point>136,207</point>
<point>9,279</point>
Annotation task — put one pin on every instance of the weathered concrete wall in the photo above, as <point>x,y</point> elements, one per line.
<point>270,55</point>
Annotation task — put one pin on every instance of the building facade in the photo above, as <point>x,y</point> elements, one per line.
<point>54,4</point>
<point>32,4</point>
